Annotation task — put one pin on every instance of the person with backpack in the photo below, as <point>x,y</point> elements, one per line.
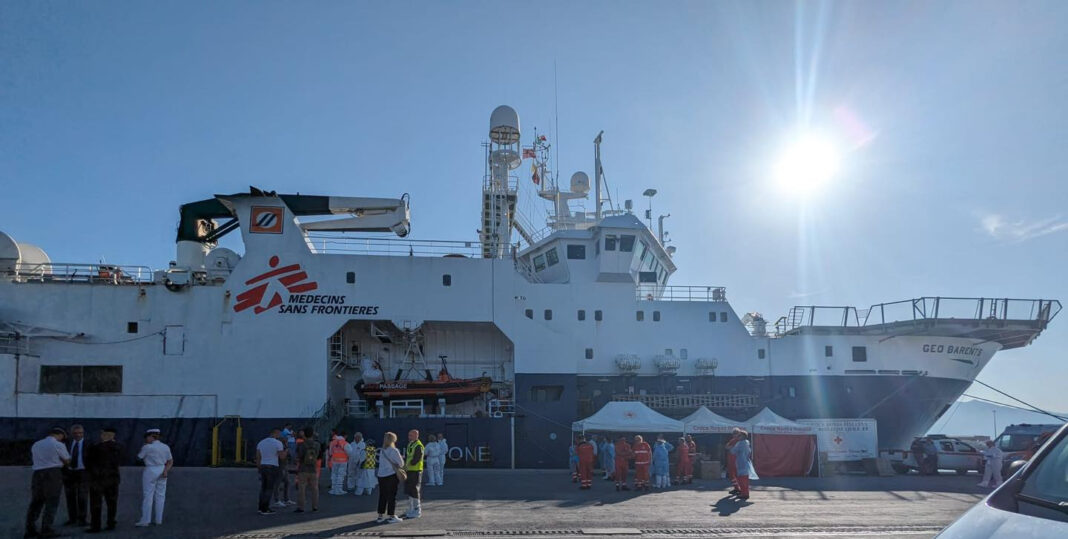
<point>308,451</point>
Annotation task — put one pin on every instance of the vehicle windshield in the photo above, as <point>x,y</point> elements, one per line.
<point>1015,442</point>
<point>1045,492</point>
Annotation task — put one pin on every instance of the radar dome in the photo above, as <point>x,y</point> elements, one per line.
<point>9,253</point>
<point>504,125</point>
<point>580,183</point>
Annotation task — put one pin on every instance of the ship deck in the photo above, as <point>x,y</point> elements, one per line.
<point>206,502</point>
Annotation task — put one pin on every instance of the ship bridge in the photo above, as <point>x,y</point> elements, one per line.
<point>1012,323</point>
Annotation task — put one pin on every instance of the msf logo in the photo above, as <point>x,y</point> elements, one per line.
<point>291,277</point>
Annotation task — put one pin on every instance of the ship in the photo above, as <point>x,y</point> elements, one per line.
<point>541,325</point>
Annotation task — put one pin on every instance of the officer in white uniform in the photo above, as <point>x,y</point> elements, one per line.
<point>158,461</point>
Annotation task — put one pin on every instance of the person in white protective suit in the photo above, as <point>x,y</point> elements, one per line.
<point>441,459</point>
<point>356,452</point>
<point>433,450</point>
<point>366,481</point>
<point>992,470</point>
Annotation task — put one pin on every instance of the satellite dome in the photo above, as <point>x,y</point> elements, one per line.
<point>504,125</point>
<point>580,183</point>
<point>9,253</point>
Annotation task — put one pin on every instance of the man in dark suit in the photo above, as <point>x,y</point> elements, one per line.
<point>75,482</point>
<point>102,460</point>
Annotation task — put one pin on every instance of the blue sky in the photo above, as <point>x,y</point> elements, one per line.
<point>951,116</point>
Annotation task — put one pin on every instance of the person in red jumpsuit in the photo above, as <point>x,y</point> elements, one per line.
<point>685,465</point>
<point>692,445</point>
<point>586,457</point>
<point>732,467</point>
<point>643,458</point>
<point>623,457</point>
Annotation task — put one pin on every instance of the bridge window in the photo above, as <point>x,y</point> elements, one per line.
<point>539,262</point>
<point>548,314</point>
<point>546,393</point>
<point>576,252</point>
<point>646,276</point>
<point>640,315</point>
<point>131,327</point>
<point>656,316</point>
<point>597,316</point>
<point>80,379</point>
<point>581,315</point>
<point>760,353</point>
<point>551,257</point>
<point>644,253</point>
<point>722,317</point>
<point>446,280</point>
<point>683,353</point>
<point>610,242</point>
<point>589,353</point>
<point>529,313</point>
<point>828,351</point>
<point>626,243</point>
<point>860,353</point>
<point>350,277</point>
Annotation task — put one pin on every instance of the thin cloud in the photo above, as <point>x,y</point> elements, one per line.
<point>1000,228</point>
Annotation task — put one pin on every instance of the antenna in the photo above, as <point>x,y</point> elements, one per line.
<point>556,113</point>
<point>597,174</point>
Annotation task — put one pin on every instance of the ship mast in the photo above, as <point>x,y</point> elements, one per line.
<point>498,186</point>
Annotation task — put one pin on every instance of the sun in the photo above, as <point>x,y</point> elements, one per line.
<point>806,164</point>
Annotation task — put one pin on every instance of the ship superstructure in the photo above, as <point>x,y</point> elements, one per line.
<point>331,316</point>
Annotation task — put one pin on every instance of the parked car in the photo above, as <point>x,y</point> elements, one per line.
<point>953,454</point>
<point>1033,503</point>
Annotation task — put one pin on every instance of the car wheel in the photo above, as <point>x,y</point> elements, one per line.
<point>900,468</point>
<point>962,472</point>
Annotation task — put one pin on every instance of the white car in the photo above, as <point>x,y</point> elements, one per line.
<point>953,454</point>
<point>1033,503</point>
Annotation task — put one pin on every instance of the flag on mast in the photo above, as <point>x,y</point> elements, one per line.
<point>534,174</point>
<point>528,153</point>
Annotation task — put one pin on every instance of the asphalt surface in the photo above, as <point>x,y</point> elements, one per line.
<point>205,502</point>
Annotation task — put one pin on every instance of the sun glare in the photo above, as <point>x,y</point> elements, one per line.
<point>806,164</point>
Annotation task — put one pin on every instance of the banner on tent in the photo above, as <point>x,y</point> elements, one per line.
<point>845,439</point>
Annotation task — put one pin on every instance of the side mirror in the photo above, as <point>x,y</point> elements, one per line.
<point>1015,466</point>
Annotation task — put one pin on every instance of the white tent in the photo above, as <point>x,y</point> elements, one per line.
<point>705,421</point>
<point>768,422</point>
<point>627,417</point>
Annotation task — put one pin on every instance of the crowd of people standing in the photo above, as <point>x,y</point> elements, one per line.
<point>88,473</point>
<point>355,466</point>
<point>652,463</point>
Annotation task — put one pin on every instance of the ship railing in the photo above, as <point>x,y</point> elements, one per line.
<point>511,184</point>
<point>918,309</point>
<point>500,407</point>
<point>326,243</point>
<point>655,292</point>
<point>13,344</point>
<point>116,274</point>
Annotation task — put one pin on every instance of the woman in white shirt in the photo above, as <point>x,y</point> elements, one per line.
<point>389,461</point>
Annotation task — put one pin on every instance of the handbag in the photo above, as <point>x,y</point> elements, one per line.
<point>401,474</point>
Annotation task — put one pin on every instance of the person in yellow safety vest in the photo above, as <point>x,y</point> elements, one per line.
<point>339,463</point>
<point>414,457</point>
